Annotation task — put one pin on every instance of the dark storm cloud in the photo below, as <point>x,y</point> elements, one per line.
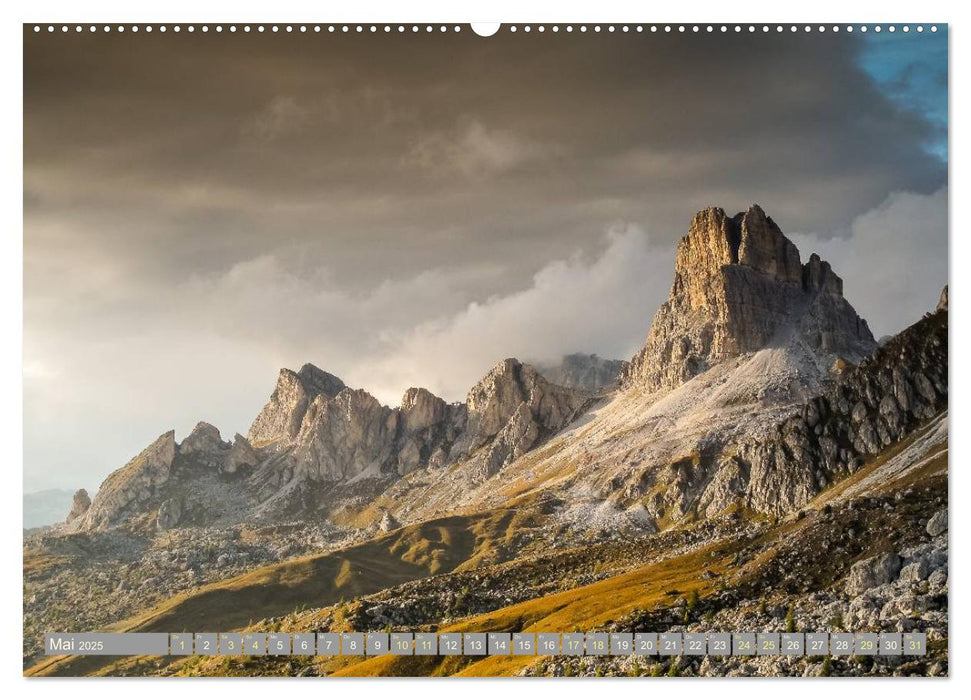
<point>464,145</point>
<point>200,209</point>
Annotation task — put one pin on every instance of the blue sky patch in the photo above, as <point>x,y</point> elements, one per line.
<point>911,69</point>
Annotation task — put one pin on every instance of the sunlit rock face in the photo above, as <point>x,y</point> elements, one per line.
<point>282,417</point>
<point>740,286</point>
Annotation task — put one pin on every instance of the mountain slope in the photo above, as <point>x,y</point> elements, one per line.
<point>759,413</point>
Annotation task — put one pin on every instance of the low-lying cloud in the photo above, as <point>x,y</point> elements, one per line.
<point>893,261</point>
<point>222,340</point>
<point>604,305</point>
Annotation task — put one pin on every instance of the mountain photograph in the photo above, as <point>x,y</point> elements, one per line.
<point>453,334</point>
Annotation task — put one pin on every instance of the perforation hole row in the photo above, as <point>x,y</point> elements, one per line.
<point>446,29</point>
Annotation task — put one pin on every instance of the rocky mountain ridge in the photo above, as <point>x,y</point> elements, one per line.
<point>703,419</point>
<point>893,392</point>
<point>740,430</point>
<point>315,431</point>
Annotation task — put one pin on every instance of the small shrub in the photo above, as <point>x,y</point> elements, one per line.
<point>836,622</point>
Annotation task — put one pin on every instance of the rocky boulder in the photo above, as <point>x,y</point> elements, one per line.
<point>388,522</point>
<point>937,525</point>
<point>872,572</point>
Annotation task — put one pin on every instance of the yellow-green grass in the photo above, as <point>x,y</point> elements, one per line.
<point>37,565</point>
<point>583,608</point>
<point>449,544</point>
<point>412,552</point>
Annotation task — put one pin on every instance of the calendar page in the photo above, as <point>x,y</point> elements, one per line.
<point>547,349</point>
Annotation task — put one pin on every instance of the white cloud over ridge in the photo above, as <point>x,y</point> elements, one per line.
<point>890,261</point>
<point>224,337</point>
<point>604,305</point>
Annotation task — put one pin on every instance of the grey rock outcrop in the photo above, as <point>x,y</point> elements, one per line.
<point>739,285</point>
<point>942,302</point>
<point>937,525</point>
<point>129,490</point>
<point>169,514</point>
<point>511,409</point>
<point>79,506</point>
<point>872,572</point>
<point>205,446</point>
<point>584,372</point>
<point>388,523</point>
<point>241,455</point>
<point>345,435</point>
<point>883,400</point>
<point>428,428</point>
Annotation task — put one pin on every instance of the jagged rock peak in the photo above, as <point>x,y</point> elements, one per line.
<point>203,439</point>
<point>241,454</point>
<point>511,409</point>
<point>283,414</point>
<point>79,506</point>
<point>128,489</point>
<point>421,409</point>
<point>316,381</point>
<point>739,284</point>
<point>942,302</point>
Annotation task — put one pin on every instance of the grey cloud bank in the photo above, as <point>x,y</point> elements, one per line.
<point>407,210</point>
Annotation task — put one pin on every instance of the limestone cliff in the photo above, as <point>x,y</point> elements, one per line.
<point>509,411</point>
<point>739,286</point>
<point>283,414</point>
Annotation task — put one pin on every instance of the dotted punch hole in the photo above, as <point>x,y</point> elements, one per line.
<point>483,30</point>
